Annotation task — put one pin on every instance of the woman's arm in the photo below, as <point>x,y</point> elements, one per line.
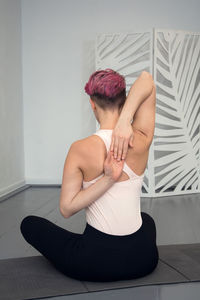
<point>123,134</point>
<point>72,197</point>
<point>139,91</point>
<point>87,196</point>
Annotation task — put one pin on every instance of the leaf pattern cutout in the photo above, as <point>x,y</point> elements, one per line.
<point>173,58</point>
<point>176,136</point>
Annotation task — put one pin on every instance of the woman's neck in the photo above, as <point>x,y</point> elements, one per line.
<point>109,121</point>
<point>107,125</point>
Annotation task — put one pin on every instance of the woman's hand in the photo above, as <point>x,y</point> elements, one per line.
<point>112,168</point>
<point>122,137</point>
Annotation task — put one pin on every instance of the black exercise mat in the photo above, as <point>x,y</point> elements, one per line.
<point>35,277</point>
<point>185,258</point>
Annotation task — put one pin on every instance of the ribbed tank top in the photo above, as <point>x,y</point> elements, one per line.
<point>117,211</point>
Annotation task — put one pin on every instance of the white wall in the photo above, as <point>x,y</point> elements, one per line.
<point>58,57</point>
<point>11,106</point>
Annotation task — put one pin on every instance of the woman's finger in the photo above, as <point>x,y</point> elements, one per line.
<point>112,143</point>
<point>120,148</point>
<point>125,149</point>
<point>131,141</point>
<point>109,156</point>
<point>116,147</point>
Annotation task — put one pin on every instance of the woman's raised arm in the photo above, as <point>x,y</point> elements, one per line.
<point>122,135</point>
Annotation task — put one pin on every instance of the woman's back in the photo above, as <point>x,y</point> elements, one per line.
<point>117,211</point>
<point>93,151</point>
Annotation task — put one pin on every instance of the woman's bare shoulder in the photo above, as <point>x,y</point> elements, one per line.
<point>88,145</point>
<point>87,150</point>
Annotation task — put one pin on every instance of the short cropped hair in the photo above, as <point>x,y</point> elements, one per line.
<point>107,88</point>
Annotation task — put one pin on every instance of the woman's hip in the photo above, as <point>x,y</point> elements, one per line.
<point>145,234</point>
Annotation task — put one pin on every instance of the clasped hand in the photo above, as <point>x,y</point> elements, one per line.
<point>122,137</point>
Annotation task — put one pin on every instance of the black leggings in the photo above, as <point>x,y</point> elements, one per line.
<point>94,255</point>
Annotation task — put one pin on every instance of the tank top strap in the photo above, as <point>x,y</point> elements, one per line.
<point>105,135</point>
<point>128,170</point>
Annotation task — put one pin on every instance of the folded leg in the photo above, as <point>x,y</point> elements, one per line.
<point>51,240</point>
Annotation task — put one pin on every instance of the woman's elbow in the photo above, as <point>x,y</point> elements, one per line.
<point>147,76</point>
<point>64,212</point>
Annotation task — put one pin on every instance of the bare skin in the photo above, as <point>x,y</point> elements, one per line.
<point>139,106</point>
<point>129,140</point>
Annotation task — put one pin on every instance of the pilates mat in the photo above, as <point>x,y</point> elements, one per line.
<point>35,277</point>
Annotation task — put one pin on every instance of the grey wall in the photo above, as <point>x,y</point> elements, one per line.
<point>11,105</point>
<point>58,57</point>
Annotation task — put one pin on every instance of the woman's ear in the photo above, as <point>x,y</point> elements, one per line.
<point>92,104</point>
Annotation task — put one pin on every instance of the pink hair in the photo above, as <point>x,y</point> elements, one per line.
<point>106,83</point>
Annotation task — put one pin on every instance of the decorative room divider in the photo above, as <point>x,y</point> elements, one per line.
<point>173,59</point>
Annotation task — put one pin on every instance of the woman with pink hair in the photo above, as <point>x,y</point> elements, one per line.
<point>103,174</point>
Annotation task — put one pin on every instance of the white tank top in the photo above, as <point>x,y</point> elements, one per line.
<point>117,211</point>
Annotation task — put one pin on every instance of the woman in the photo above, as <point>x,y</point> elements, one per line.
<point>103,173</point>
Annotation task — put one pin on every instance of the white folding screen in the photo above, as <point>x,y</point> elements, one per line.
<point>173,58</point>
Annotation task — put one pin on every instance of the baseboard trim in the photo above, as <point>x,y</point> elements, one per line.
<point>41,181</point>
<point>12,187</point>
<point>25,186</point>
<point>13,190</point>
<point>45,185</point>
